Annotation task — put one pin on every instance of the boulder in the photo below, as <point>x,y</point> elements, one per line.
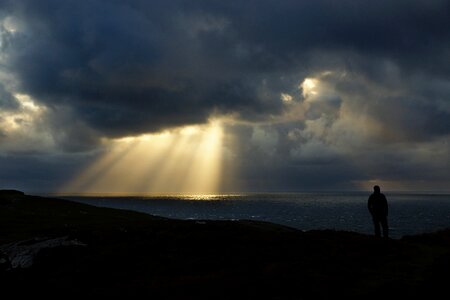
<point>21,254</point>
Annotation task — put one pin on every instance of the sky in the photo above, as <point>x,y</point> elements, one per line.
<point>224,96</point>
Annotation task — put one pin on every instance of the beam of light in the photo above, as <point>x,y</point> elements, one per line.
<point>85,180</point>
<point>186,160</point>
<point>207,157</point>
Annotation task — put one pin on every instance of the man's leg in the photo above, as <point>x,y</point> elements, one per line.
<point>384,224</point>
<point>376,224</point>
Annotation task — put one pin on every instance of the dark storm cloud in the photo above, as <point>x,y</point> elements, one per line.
<point>266,163</point>
<point>110,68</point>
<point>7,101</point>
<point>37,173</point>
<point>138,66</point>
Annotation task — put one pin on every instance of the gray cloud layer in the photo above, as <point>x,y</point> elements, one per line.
<point>119,68</point>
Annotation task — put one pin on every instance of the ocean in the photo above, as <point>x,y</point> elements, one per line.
<point>409,213</point>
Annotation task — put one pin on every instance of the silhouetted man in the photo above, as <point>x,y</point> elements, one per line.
<point>378,208</point>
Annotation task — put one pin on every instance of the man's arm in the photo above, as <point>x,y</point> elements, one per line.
<point>370,205</point>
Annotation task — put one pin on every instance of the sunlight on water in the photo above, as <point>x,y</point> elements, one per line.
<point>205,197</point>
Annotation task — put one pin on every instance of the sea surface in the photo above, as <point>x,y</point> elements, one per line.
<point>408,213</point>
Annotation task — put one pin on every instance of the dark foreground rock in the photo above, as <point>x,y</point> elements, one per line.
<point>78,250</point>
<point>8,197</point>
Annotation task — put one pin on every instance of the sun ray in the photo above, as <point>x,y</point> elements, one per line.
<point>165,180</point>
<point>204,173</point>
<point>87,178</point>
<point>185,160</point>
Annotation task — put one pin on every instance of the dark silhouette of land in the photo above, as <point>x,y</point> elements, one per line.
<point>55,247</point>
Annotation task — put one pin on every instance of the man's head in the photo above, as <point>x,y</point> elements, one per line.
<point>376,189</point>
